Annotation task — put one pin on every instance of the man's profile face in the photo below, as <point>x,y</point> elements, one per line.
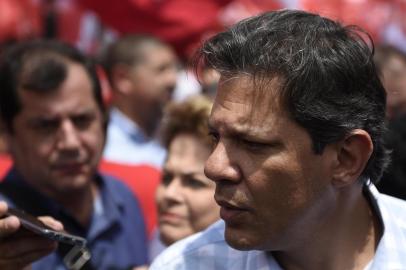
<point>394,81</point>
<point>271,187</point>
<point>154,77</point>
<point>58,136</point>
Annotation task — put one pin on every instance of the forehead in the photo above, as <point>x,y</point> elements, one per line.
<point>187,155</point>
<point>243,103</point>
<point>75,93</point>
<point>189,147</point>
<point>156,53</point>
<point>395,64</point>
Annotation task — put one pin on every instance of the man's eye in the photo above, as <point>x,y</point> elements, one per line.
<point>45,126</point>
<point>82,121</point>
<point>253,145</point>
<point>166,179</point>
<point>214,137</point>
<point>194,183</point>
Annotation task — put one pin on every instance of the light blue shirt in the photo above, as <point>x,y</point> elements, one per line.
<point>208,250</point>
<point>126,143</point>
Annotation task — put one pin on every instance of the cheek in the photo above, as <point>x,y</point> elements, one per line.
<point>144,82</point>
<point>36,150</point>
<point>279,185</point>
<point>159,195</point>
<point>284,189</point>
<point>203,210</point>
<point>93,140</point>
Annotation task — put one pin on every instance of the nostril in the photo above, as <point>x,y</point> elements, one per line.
<point>213,170</point>
<point>220,167</point>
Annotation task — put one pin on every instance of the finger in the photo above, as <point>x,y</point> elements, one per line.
<point>53,223</point>
<point>9,225</point>
<point>3,208</point>
<point>143,267</point>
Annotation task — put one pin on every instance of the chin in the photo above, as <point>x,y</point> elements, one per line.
<point>237,240</point>
<point>168,239</point>
<point>73,183</point>
<point>242,240</point>
<point>170,235</point>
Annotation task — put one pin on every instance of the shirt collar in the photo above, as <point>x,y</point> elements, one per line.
<point>107,208</point>
<point>127,125</point>
<point>106,211</point>
<point>390,253</point>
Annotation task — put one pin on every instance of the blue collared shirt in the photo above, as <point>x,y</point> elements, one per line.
<point>116,236</point>
<point>209,250</point>
<point>126,143</point>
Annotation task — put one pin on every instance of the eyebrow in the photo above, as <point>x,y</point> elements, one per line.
<point>187,174</point>
<point>231,131</point>
<point>193,174</point>
<point>81,111</point>
<point>244,134</point>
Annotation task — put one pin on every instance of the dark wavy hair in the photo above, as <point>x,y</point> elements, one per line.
<point>39,66</point>
<point>328,81</point>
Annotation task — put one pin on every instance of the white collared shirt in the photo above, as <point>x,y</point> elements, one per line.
<point>126,143</point>
<point>209,250</point>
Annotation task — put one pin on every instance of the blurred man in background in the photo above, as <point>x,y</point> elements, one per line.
<point>143,72</point>
<point>392,64</point>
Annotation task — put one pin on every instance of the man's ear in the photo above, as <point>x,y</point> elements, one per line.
<point>121,79</point>
<point>353,154</point>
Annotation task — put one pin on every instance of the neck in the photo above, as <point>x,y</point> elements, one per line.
<point>347,240</point>
<point>77,201</point>
<point>80,205</point>
<point>145,118</point>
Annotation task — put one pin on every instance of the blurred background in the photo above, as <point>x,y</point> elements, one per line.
<point>92,24</point>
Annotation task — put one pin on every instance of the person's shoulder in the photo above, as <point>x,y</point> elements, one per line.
<point>393,204</point>
<point>390,253</point>
<point>117,188</point>
<point>395,209</point>
<point>199,249</point>
<point>117,193</point>
<point>113,182</point>
<point>209,250</point>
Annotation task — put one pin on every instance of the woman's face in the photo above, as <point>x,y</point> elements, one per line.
<point>185,195</point>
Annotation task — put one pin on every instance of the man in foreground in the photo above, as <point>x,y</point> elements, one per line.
<point>297,126</point>
<point>54,121</point>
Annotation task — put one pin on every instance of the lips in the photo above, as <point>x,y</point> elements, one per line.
<point>171,218</point>
<point>231,212</point>
<point>70,168</point>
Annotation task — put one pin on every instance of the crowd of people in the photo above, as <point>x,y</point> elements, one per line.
<point>275,165</point>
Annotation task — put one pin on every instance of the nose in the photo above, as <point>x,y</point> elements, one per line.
<point>68,138</point>
<point>173,191</point>
<point>171,76</point>
<point>220,166</point>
